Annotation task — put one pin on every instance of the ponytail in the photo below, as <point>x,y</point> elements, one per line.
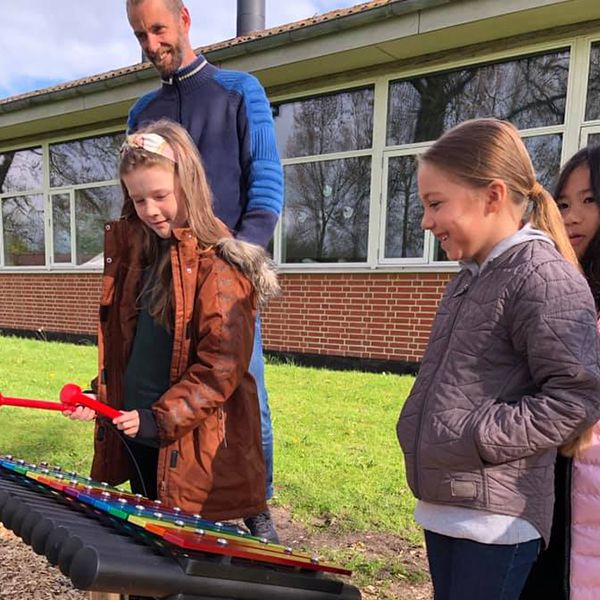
<point>546,217</point>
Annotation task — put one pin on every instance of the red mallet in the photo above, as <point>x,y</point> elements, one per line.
<point>71,396</point>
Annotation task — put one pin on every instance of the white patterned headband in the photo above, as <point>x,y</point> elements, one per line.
<point>150,142</point>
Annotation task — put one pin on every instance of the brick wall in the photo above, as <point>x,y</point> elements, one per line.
<point>383,316</point>
<point>375,316</point>
<point>52,302</point>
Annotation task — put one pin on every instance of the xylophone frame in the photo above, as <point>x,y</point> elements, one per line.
<point>89,547</point>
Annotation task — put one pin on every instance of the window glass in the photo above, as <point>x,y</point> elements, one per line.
<point>21,171</point>
<point>545,154</point>
<point>326,214</point>
<point>592,109</point>
<point>61,228</point>
<point>530,92</point>
<point>23,229</point>
<point>325,124</point>
<point>87,160</point>
<point>93,208</point>
<point>593,139</point>
<point>404,237</point>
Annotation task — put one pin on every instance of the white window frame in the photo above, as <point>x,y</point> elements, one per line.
<point>579,55</point>
<point>47,192</point>
<point>574,130</point>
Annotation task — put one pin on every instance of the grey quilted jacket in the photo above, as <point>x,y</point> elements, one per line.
<point>511,372</point>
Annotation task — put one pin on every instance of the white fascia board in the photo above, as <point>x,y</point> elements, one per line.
<point>80,109</point>
<point>440,28</point>
<point>469,11</point>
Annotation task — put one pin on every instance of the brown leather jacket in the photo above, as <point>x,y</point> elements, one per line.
<point>210,458</point>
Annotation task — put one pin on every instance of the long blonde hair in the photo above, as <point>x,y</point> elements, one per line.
<point>192,189</point>
<point>480,151</point>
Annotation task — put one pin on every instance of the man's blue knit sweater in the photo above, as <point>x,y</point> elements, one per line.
<point>229,117</point>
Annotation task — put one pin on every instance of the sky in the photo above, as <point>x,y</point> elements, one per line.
<point>46,42</point>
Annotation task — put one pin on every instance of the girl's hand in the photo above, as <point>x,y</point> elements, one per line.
<point>128,422</point>
<point>80,413</point>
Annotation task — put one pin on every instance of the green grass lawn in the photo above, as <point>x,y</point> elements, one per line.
<point>337,458</point>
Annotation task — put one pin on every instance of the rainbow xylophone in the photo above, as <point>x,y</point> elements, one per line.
<point>106,539</point>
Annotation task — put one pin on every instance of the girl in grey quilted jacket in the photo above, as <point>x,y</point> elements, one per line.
<point>511,371</point>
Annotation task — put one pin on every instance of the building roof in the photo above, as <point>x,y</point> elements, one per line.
<point>140,68</point>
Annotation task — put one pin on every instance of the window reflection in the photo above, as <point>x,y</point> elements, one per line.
<point>85,161</point>
<point>325,124</point>
<point>21,171</point>
<point>93,208</point>
<point>326,214</point>
<point>23,224</point>
<point>61,228</point>
<point>592,109</point>
<point>529,92</point>
<point>545,154</point>
<point>593,139</point>
<point>404,237</point>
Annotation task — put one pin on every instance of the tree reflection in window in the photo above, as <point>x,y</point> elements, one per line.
<point>325,124</point>
<point>21,171</point>
<point>592,109</point>
<point>593,139</point>
<point>61,228</point>
<point>545,154</point>
<point>86,160</point>
<point>404,237</point>
<point>530,92</point>
<point>326,214</point>
<point>93,208</point>
<point>23,227</point>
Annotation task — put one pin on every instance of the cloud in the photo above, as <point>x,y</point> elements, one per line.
<point>45,42</point>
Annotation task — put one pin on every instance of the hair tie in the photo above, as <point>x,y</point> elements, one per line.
<point>537,191</point>
<point>150,142</point>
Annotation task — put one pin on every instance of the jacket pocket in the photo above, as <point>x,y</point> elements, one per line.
<point>453,487</point>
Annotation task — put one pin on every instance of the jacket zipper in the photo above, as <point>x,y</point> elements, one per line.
<point>462,292</point>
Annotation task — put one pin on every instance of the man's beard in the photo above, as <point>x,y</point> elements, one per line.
<point>168,69</point>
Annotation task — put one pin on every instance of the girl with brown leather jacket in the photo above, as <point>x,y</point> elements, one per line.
<point>177,313</point>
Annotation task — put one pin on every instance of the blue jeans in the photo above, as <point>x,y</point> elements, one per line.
<point>466,570</point>
<point>257,370</point>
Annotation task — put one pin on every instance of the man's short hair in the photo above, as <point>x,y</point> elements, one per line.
<point>174,6</point>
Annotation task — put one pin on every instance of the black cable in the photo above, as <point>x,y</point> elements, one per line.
<point>132,459</point>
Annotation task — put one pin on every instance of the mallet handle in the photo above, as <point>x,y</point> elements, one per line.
<point>24,402</point>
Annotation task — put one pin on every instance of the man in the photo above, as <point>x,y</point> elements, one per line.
<point>229,117</point>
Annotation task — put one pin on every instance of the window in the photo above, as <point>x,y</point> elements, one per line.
<point>545,154</point>
<point>52,211</point>
<point>94,207</point>
<point>23,228</point>
<point>85,172</point>
<point>592,110</point>
<point>326,215</point>
<point>404,237</point>
<point>325,143</point>
<point>22,208</point>
<point>529,91</point>
<point>87,160</point>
